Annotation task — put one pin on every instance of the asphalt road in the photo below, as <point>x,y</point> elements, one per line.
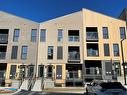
<point>23,92</point>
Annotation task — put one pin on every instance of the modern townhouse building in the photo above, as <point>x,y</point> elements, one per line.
<point>66,51</point>
<point>81,46</point>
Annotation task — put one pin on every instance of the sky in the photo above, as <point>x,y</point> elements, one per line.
<point>43,10</point>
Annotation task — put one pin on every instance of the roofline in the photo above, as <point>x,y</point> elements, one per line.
<point>102,14</point>
<point>61,16</point>
<point>19,17</point>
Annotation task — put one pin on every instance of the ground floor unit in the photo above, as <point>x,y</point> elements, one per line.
<point>62,74</point>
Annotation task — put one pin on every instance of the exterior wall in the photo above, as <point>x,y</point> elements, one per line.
<point>93,19</point>
<point>69,22</point>
<point>8,21</point>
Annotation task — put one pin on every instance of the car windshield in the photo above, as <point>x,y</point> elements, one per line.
<point>112,85</point>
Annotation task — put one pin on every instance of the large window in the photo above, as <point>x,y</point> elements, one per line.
<point>24,52</point>
<point>33,35</point>
<point>122,33</point>
<point>14,52</point>
<point>60,35</point>
<point>16,35</point>
<point>43,35</point>
<point>116,49</point>
<point>106,50</point>
<point>105,32</point>
<point>50,52</point>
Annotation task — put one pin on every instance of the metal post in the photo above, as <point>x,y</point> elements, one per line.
<point>123,63</point>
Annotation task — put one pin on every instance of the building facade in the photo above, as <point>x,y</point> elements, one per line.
<point>69,50</point>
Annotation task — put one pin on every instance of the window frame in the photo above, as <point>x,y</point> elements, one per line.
<point>116,50</point>
<point>33,37</point>
<point>122,33</point>
<point>105,33</point>
<point>15,36</point>
<point>24,53</point>
<point>42,37</point>
<point>50,52</point>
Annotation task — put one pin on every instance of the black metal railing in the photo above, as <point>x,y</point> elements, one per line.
<point>73,75</point>
<point>2,55</point>
<point>92,52</point>
<point>73,56</point>
<point>91,35</point>
<point>74,38</point>
<point>3,38</point>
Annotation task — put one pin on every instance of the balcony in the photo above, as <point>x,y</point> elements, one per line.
<point>91,36</point>
<point>73,75</point>
<point>73,56</point>
<point>3,38</point>
<point>74,38</point>
<point>92,52</point>
<point>2,55</point>
<point>93,73</point>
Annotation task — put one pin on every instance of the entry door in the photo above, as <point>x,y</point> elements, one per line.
<point>22,71</point>
<point>30,71</point>
<point>13,72</point>
<point>50,71</point>
<point>41,71</point>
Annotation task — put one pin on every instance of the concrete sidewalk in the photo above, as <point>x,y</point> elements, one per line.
<point>66,90</point>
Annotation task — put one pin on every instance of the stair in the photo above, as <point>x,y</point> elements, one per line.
<point>48,83</point>
<point>37,86</point>
<point>15,84</point>
<point>24,85</point>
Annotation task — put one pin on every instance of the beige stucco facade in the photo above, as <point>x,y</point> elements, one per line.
<point>38,51</point>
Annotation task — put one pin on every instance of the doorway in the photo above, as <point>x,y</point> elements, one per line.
<point>50,71</point>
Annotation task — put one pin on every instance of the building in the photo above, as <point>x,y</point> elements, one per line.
<point>67,51</point>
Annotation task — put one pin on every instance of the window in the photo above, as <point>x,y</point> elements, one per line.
<point>122,33</point>
<point>106,50</point>
<point>50,52</point>
<point>105,32</point>
<point>60,35</point>
<point>16,35</point>
<point>43,35</point>
<point>24,52</point>
<point>59,52</point>
<point>33,35</point>
<point>14,52</point>
<point>116,49</point>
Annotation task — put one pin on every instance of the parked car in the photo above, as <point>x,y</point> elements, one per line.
<point>105,88</point>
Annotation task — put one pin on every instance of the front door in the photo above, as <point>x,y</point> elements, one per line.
<point>22,71</point>
<point>30,70</point>
<point>50,71</point>
<point>41,71</point>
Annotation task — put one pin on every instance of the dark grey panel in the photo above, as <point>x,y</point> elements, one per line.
<point>59,72</point>
<point>59,52</point>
